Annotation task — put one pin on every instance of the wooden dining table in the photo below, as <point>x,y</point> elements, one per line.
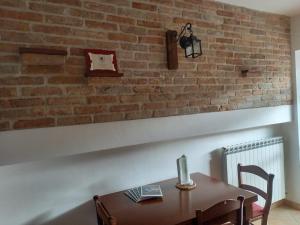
<point>176,206</point>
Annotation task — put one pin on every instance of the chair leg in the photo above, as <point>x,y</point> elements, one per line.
<point>99,220</point>
<point>264,220</point>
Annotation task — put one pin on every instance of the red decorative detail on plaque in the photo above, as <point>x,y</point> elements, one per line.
<point>101,63</point>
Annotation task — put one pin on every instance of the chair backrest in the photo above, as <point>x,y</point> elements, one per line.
<point>103,216</point>
<point>223,212</point>
<point>264,175</point>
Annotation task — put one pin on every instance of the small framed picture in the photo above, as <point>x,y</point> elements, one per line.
<point>101,63</point>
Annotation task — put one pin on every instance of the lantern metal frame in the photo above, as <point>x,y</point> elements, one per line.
<point>187,42</point>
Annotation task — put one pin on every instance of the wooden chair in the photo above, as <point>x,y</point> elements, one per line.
<point>225,212</point>
<point>103,216</point>
<point>258,212</point>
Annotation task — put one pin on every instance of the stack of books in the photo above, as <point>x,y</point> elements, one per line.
<point>144,192</point>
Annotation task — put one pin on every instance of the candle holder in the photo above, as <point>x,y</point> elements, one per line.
<point>184,180</point>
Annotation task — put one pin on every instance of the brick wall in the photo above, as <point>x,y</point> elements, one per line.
<point>43,91</point>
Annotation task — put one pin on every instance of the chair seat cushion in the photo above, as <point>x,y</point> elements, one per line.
<point>257,211</point>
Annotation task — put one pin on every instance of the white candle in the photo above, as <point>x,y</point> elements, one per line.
<point>183,173</point>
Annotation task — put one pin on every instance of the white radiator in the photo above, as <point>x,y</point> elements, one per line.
<point>267,154</point>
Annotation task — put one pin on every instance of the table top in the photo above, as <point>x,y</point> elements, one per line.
<point>176,206</point>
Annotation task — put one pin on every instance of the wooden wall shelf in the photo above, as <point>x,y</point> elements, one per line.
<point>244,72</point>
<point>45,51</point>
<point>171,43</point>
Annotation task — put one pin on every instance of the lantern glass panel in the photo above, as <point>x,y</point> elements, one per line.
<point>189,51</point>
<point>197,50</point>
<point>196,45</point>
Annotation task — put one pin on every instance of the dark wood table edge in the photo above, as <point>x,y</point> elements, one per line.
<point>247,204</point>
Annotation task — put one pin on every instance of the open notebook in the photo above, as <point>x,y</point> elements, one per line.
<point>145,192</point>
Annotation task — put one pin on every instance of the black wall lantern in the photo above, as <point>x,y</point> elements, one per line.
<point>190,43</point>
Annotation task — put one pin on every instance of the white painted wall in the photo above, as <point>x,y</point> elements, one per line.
<point>58,191</point>
<point>292,130</point>
<point>36,144</point>
<point>284,7</point>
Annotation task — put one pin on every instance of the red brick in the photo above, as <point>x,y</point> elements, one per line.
<point>8,92</point>
<point>101,25</point>
<point>70,21</point>
<point>133,65</point>
<point>12,36</point>
<point>124,108</point>
<point>102,99</point>
<point>23,102</point>
<point>93,15</point>
<point>134,98</point>
<point>224,40</point>
<point>257,32</point>
<point>42,69</point>
<point>145,89</point>
<point>34,123</point>
<point>30,16</point>
<point>74,60</point>
<point>46,8</point>
<point>64,40</point>
<point>185,80</point>
<point>16,113</point>
<point>120,19</point>
<point>149,24</point>
<point>171,89</point>
<point>225,13</point>
<point>219,101</point>
<point>51,29</point>
<point>161,97</point>
<point>59,110</point>
<point>13,3</point>
<point>184,5</point>
<point>209,108</point>
<point>39,59</point>
<point>21,80</point>
<point>138,115</point>
<point>41,91</point>
<point>133,30</point>
<point>66,101</point>
<point>4,125</point>
<point>231,21</point>
<point>154,106</point>
<point>14,25</point>
<point>134,47</point>
<point>163,2</point>
<point>66,2</point>
<point>73,70</point>
<point>9,69</point>
<point>165,112</point>
<point>135,81</point>
<point>82,90</point>
<point>151,40</point>
<point>104,80</point>
<point>74,120</point>
<point>9,48</point>
<point>89,109</point>
<point>108,117</point>
<point>9,59</point>
<point>144,6</point>
<point>65,80</point>
<point>113,90</point>
<point>99,7</point>
<point>122,37</point>
<point>177,104</point>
